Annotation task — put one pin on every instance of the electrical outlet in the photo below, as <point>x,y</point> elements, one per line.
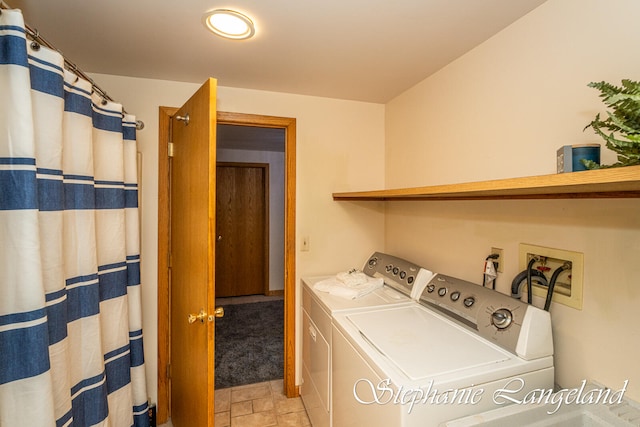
<point>500,260</point>
<point>568,287</point>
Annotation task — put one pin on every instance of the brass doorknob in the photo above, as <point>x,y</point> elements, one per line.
<point>191,318</point>
<point>219,312</point>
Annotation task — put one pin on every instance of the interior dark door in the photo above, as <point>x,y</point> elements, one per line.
<point>241,227</point>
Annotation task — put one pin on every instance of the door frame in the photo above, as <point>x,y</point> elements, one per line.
<point>267,223</point>
<point>164,330</point>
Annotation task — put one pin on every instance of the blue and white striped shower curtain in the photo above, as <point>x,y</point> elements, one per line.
<point>70,316</point>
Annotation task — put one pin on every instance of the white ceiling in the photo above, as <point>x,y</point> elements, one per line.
<point>366,50</point>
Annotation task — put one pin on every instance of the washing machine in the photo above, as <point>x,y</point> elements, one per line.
<point>459,349</point>
<point>588,404</point>
<point>403,283</point>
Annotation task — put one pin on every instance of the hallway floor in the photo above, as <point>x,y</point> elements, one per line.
<point>247,299</point>
<point>257,405</point>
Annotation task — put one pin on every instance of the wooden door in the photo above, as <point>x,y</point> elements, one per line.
<point>164,226</point>
<point>242,229</point>
<point>192,257</point>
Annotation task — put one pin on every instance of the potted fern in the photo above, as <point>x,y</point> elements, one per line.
<point>621,129</point>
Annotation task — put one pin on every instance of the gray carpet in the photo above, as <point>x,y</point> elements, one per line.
<point>249,344</point>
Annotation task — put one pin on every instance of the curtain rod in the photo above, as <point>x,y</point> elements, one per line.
<point>35,36</point>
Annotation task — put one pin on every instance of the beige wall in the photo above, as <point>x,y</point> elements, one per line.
<point>334,139</point>
<point>501,111</point>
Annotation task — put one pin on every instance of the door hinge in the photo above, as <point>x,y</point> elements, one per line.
<point>170,149</point>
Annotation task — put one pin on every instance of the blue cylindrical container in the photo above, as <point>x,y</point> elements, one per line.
<point>584,151</point>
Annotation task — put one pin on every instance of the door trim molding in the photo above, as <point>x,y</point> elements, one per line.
<point>164,336</point>
<point>164,327</point>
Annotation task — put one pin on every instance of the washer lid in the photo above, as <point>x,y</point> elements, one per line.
<point>423,345</point>
<point>332,303</point>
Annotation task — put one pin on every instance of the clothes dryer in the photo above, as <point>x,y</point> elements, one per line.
<point>403,282</point>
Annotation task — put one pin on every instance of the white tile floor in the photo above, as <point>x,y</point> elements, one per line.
<point>257,405</point>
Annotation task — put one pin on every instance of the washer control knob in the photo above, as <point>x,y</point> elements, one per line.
<point>501,318</point>
<point>410,279</point>
<point>373,262</point>
<point>389,267</point>
<point>455,296</point>
<point>469,301</point>
<point>403,274</point>
<point>442,291</point>
<point>395,271</point>
<point>431,287</point>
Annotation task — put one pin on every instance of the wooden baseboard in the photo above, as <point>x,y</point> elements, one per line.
<point>277,292</point>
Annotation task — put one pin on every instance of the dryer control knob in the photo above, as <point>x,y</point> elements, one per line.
<point>501,318</point>
<point>469,301</point>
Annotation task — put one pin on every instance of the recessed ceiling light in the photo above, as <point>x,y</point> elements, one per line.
<point>229,24</point>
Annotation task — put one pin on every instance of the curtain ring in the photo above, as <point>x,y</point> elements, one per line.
<point>71,67</point>
<point>35,45</point>
<point>74,70</point>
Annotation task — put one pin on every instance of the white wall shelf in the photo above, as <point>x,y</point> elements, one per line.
<point>621,182</point>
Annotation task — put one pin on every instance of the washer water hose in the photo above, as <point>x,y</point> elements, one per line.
<point>552,283</point>
<point>529,286</point>
<point>528,276</point>
<point>521,279</point>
